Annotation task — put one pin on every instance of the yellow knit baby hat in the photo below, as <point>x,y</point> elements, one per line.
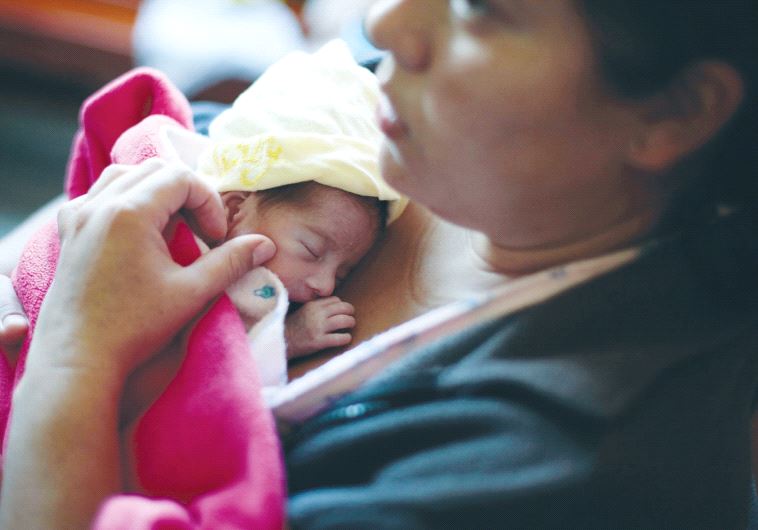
<point>309,117</point>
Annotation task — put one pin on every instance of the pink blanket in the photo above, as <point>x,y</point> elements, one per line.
<point>206,453</point>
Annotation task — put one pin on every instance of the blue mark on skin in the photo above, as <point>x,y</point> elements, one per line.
<point>265,292</point>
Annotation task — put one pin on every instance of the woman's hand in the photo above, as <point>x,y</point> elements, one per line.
<point>118,297</point>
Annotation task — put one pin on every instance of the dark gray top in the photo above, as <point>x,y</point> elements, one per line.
<point>622,403</point>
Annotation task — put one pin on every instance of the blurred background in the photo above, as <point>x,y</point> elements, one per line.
<point>54,53</point>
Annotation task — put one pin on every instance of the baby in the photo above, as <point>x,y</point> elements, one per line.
<point>320,233</point>
<point>296,158</point>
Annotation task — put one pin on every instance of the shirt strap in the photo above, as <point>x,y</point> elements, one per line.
<point>308,395</point>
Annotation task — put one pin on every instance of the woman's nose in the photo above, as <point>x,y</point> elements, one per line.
<point>398,27</point>
<point>323,282</point>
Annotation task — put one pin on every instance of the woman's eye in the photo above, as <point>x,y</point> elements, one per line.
<point>470,9</point>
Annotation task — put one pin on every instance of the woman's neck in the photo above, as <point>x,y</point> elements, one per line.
<point>521,261</point>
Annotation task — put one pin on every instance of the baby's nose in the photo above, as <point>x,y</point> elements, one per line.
<point>322,283</point>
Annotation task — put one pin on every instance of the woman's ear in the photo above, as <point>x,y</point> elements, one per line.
<point>232,202</point>
<point>687,116</point>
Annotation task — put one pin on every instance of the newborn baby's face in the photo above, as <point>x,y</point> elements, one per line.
<point>318,241</point>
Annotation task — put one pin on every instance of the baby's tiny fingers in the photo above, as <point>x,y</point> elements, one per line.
<point>327,301</point>
<point>340,308</point>
<point>341,322</point>
<point>337,339</point>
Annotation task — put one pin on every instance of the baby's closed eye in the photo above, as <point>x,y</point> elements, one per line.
<point>310,250</point>
<point>313,247</point>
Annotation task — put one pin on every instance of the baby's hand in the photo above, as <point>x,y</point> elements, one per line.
<point>317,325</point>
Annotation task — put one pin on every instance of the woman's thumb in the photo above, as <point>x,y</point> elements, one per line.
<point>217,269</point>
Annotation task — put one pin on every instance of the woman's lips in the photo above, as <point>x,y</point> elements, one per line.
<point>389,122</point>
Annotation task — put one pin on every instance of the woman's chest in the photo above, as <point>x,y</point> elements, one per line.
<point>421,264</point>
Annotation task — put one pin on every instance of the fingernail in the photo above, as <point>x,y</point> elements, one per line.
<point>263,252</point>
<point>14,321</point>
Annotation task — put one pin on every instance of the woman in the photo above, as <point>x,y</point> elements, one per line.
<point>608,137</point>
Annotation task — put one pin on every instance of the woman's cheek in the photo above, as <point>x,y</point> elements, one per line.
<point>392,168</point>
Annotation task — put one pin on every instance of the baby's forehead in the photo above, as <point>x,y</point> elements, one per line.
<point>342,216</point>
<point>320,192</point>
<point>338,204</point>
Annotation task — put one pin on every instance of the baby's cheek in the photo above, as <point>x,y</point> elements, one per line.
<point>288,283</point>
<point>280,265</point>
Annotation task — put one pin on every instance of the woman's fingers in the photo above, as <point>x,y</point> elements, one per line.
<point>225,264</point>
<point>13,322</point>
<point>172,188</point>
<point>157,190</point>
<point>115,266</point>
<point>121,173</point>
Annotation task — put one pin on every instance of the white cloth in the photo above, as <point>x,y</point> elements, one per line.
<point>262,301</point>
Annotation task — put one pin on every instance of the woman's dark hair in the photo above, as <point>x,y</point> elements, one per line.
<point>643,45</point>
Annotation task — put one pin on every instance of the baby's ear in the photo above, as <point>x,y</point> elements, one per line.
<point>232,202</point>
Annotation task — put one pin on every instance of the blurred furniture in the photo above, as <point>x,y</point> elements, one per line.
<point>88,41</point>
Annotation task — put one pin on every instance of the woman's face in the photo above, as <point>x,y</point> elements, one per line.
<point>496,117</point>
